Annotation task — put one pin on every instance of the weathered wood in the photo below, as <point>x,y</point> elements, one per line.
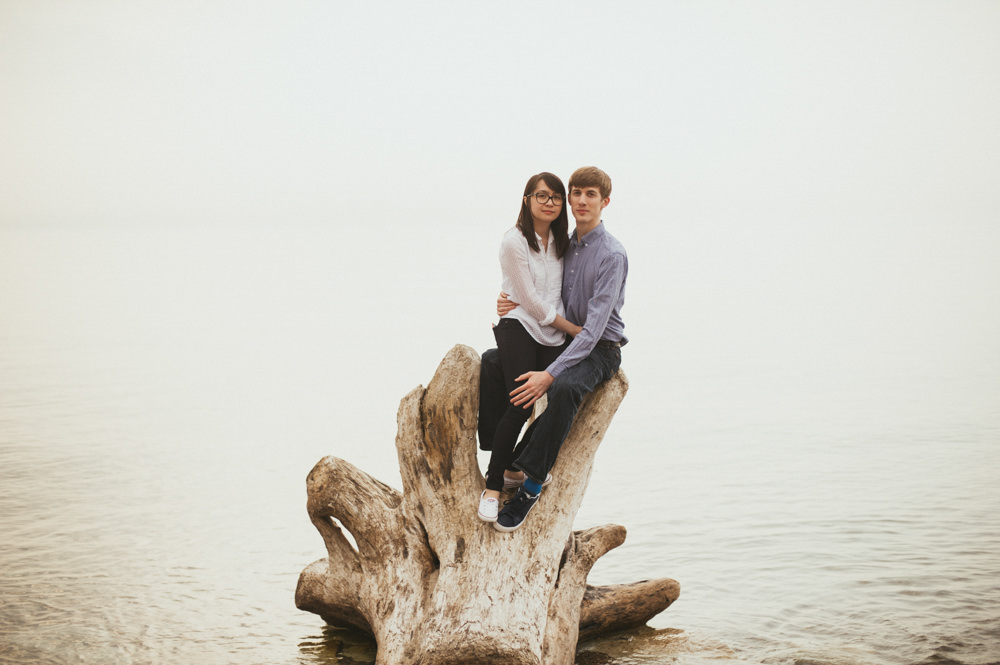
<point>616,607</point>
<point>435,585</point>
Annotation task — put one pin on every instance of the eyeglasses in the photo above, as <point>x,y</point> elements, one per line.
<point>544,198</point>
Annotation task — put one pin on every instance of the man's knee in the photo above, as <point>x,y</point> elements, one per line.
<point>490,363</point>
<point>565,390</point>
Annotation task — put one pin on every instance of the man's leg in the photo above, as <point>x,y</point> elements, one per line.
<point>550,430</point>
<point>548,356</point>
<point>564,397</point>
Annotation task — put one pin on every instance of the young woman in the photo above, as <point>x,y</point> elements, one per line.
<point>533,334</point>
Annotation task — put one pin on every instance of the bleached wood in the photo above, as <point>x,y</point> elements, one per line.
<point>435,585</point>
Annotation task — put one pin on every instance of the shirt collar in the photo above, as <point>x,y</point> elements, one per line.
<point>596,234</point>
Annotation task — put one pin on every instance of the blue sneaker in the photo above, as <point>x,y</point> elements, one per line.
<point>512,514</point>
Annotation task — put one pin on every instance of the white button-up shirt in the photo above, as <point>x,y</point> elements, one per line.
<point>534,281</point>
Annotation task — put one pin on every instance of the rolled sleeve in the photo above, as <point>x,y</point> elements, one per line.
<point>550,317</point>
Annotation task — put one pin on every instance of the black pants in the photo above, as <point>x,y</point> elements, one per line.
<point>519,353</point>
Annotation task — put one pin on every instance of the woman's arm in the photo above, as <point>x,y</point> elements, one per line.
<point>505,306</point>
<point>565,326</point>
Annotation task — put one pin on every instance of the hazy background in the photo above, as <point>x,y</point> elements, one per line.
<point>819,174</point>
<point>792,180</point>
<point>234,234</point>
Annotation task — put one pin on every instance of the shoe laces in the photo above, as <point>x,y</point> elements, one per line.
<point>522,495</point>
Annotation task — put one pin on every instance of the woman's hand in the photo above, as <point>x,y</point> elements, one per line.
<point>504,305</point>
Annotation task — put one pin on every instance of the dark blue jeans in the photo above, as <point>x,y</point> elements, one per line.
<point>540,444</point>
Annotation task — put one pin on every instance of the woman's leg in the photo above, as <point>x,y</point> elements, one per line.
<point>493,398</point>
<point>518,354</point>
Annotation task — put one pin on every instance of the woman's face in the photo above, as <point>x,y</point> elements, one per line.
<point>548,210</point>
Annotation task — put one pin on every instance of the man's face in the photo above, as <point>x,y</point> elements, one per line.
<point>587,204</point>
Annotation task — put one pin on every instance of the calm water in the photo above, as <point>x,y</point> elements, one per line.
<point>163,395</point>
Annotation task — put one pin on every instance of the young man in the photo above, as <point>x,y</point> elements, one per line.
<point>593,292</point>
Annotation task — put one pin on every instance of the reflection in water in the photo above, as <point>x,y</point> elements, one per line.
<point>631,647</point>
<point>338,645</point>
<point>648,645</point>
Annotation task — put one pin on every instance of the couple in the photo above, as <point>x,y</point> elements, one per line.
<point>554,285</point>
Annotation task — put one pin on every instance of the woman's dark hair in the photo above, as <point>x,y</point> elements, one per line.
<point>560,225</point>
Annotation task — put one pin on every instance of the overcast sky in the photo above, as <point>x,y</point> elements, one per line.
<point>820,174</point>
<point>138,111</point>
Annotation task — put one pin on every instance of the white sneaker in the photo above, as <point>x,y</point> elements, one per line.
<point>488,508</point>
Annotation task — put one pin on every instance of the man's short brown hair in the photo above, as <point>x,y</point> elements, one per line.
<point>591,176</point>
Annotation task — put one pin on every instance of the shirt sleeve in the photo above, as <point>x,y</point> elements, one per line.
<point>607,290</point>
<point>514,264</point>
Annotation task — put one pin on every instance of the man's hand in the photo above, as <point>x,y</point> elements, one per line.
<point>535,385</point>
<point>504,305</point>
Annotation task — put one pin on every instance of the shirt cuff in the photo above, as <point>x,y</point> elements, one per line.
<point>550,317</point>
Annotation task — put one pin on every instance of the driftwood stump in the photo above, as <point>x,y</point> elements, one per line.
<point>435,585</point>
